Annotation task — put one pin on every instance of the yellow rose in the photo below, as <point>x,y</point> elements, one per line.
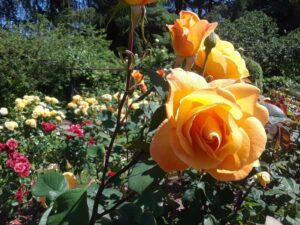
<point>83,104</point>
<point>38,111</point>
<point>106,97</point>
<point>11,125</point>
<point>61,114</point>
<point>84,110</point>
<point>98,122</point>
<point>91,100</point>
<point>51,100</point>
<point>31,122</point>
<point>53,113</point>
<point>139,2</point>
<point>135,106</point>
<point>47,99</point>
<point>217,127</point>
<point>223,62</point>
<point>264,178</point>
<point>188,32</point>
<point>58,118</point>
<point>71,105</point>
<point>77,111</point>
<point>21,104</point>
<point>46,113</point>
<point>77,98</point>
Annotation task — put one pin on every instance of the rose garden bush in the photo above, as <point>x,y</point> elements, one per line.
<point>197,144</point>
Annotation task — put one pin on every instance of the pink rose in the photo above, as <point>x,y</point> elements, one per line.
<point>76,130</point>
<point>12,144</point>
<point>19,163</point>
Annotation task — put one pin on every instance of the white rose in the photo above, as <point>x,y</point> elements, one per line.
<point>3,111</point>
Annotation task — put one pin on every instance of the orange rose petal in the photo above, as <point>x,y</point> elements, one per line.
<point>237,160</point>
<point>216,65</point>
<point>221,83</point>
<point>257,136</point>
<point>233,69</point>
<point>210,27</point>
<point>228,175</point>
<point>261,113</point>
<point>161,150</point>
<point>247,96</point>
<point>199,161</point>
<point>181,84</point>
<point>181,45</point>
<point>210,96</point>
<point>188,32</point>
<point>192,113</point>
<point>194,37</point>
<point>232,136</point>
<point>188,14</point>
<point>200,58</point>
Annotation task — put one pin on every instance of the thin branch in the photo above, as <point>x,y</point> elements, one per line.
<point>125,168</point>
<point>118,126</point>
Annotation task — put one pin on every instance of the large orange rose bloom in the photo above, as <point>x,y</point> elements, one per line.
<point>188,32</point>
<point>139,2</point>
<point>223,62</point>
<point>218,127</point>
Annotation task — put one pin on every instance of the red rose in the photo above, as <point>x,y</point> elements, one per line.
<point>87,122</point>
<point>111,173</point>
<point>91,141</point>
<point>48,127</point>
<point>3,147</point>
<point>21,193</point>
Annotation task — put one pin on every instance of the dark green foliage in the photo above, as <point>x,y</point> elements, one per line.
<point>256,73</point>
<point>54,60</point>
<point>257,36</point>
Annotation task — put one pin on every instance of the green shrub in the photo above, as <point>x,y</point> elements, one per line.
<point>256,73</point>
<point>55,60</point>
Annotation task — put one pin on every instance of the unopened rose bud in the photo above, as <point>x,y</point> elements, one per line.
<point>143,87</point>
<point>264,178</point>
<point>210,42</point>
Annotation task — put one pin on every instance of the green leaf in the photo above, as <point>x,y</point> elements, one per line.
<point>147,219</point>
<point>272,221</point>
<point>44,217</point>
<point>158,117</point>
<point>120,6</point>
<point>276,115</point>
<point>51,185</point>
<point>290,185</point>
<point>160,84</point>
<point>143,175</point>
<point>70,208</point>
<point>210,220</point>
<point>132,211</point>
<point>189,195</point>
<point>154,200</point>
<point>95,151</point>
